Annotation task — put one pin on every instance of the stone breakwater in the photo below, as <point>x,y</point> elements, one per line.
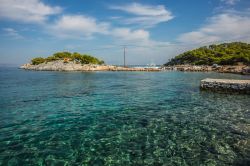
<point>240,69</point>
<point>72,66</point>
<point>226,85</point>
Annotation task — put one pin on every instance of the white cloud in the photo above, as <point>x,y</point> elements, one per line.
<point>138,41</point>
<point>141,48</point>
<point>12,33</point>
<point>77,26</point>
<point>28,11</point>
<point>144,15</point>
<point>197,37</point>
<point>138,37</point>
<point>84,27</point>
<point>127,34</point>
<point>222,27</point>
<point>139,9</point>
<point>230,2</point>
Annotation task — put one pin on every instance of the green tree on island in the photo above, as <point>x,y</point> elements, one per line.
<point>76,57</point>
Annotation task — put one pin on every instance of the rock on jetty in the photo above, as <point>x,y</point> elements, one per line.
<point>60,65</point>
<point>226,85</point>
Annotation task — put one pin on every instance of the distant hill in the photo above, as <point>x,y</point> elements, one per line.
<point>222,54</point>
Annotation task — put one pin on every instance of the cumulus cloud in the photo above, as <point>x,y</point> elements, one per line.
<point>12,33</point>
<point>230,2</point>
<point>139,42</point>
<point>77,26</point>
<point>145,15</point>
<point>221,27</point>
<point>127,34</point>
<point>85,27</point>
<point>137,37</point>
<point>28,11</point>
<point>141,48</point>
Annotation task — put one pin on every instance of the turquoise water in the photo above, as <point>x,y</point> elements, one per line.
<point>120,118</point>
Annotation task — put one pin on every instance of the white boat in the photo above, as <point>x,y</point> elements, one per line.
<point>152,65</point>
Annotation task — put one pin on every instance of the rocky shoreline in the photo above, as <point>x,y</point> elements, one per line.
<point>237,69</point>
<point>60,65</point>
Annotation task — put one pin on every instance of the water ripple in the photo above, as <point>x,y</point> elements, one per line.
<point>111,118</point>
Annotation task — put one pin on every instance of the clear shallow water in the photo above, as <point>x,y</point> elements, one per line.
<point>120,118</point>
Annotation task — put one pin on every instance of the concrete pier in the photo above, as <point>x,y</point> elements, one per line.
<point>226,85</point>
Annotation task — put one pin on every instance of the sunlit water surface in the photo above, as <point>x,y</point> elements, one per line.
<point>120,118</point>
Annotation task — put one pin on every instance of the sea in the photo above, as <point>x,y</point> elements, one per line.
<point>120,119</point>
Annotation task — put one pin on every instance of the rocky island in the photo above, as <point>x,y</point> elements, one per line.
<point>225,58</point>
<point>66,61</point>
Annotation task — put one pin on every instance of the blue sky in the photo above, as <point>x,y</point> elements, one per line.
<point>153,31</point>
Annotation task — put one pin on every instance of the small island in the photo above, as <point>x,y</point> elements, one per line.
<point>66,61</point>
<point>227,58</point>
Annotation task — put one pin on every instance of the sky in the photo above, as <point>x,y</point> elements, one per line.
<point>153,31</point>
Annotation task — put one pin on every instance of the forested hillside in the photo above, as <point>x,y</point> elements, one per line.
<point>222,54</point>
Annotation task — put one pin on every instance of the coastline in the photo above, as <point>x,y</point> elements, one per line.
<point>236,69</point>
<point>60,65</point>
<point>72,66</point>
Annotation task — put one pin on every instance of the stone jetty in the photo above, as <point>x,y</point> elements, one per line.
<point>226,85</point>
